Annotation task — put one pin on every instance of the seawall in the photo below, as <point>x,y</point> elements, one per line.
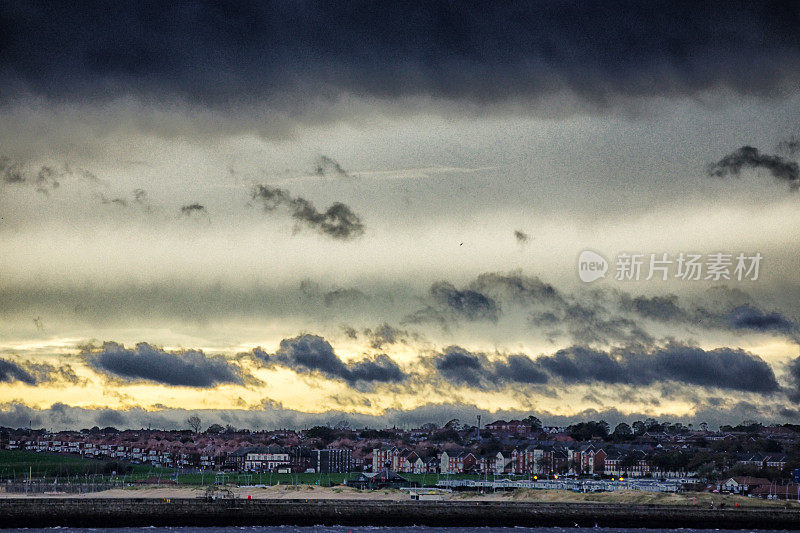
<point>110,512</point>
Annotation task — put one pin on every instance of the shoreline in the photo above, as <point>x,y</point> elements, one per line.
<point>131,512</point>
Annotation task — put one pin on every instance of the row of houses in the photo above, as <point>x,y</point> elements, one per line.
<point>759,488</point>
<point>544,459</point>
<point>173,455</point>
<point>541,458</point>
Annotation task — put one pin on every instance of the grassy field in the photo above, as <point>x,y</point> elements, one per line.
<point>19,464</point>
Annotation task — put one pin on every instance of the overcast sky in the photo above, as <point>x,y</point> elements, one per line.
<point>296,213</point>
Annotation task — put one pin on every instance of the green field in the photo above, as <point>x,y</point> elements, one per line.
<point>18,465</point>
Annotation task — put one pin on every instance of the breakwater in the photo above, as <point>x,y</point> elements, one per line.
<point>116,512</point>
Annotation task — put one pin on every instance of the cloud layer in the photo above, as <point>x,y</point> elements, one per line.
<point>338,221</point>
<point>724,368</point>
<point>483,52</point>
<point>190,368</point>
<point>313,354</point>
<point>749,158</point>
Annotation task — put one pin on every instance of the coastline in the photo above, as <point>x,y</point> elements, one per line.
<point>119,512</point>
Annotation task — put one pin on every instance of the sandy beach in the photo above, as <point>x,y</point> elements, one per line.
<point>311,492</point>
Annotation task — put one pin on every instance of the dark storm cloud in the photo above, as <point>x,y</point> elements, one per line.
<point>467,303</point>
<point>34,373</point>
<point>379,368</point>
<point>751,318</point>
<point>189,209</point>
<point>312,353</point>
<point>190,368</point>
<point>11,371</point>
<point>793,368</point>
<point>726,315</point>
<point>520,369</point>
<point>481,51</point>
<point>338,221</point>
<point>461,366</point>
<point>725,368</point>
<point>521,236</point>
<point>749,158</point>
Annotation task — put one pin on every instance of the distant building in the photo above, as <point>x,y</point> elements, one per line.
<point>383,479</point>
<point>457,462</point>
<point>266,459</point>
<point>332,460</point>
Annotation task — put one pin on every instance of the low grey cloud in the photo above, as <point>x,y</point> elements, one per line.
<point>749,158</point>
<point>385,334</point>
<point>189,368</point>
<point>517,287</point>
<point>272,415</point>
<point>122,202</point>
<point>44,178</point>
<point>724,368</point>
<point>338,221</point>
<point>192,208</point>
<point>521,236</point>
<point>11,172</point>
<point>325,166</point>
<point>661,308</point>
<point>350,332</point>
<point>725,314</point>
<point>467,303</point>
<point>313,354</point>
<point>137,198</point>
<point>594,325</point>
<point>343,297</point>
<point>789,146</point>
